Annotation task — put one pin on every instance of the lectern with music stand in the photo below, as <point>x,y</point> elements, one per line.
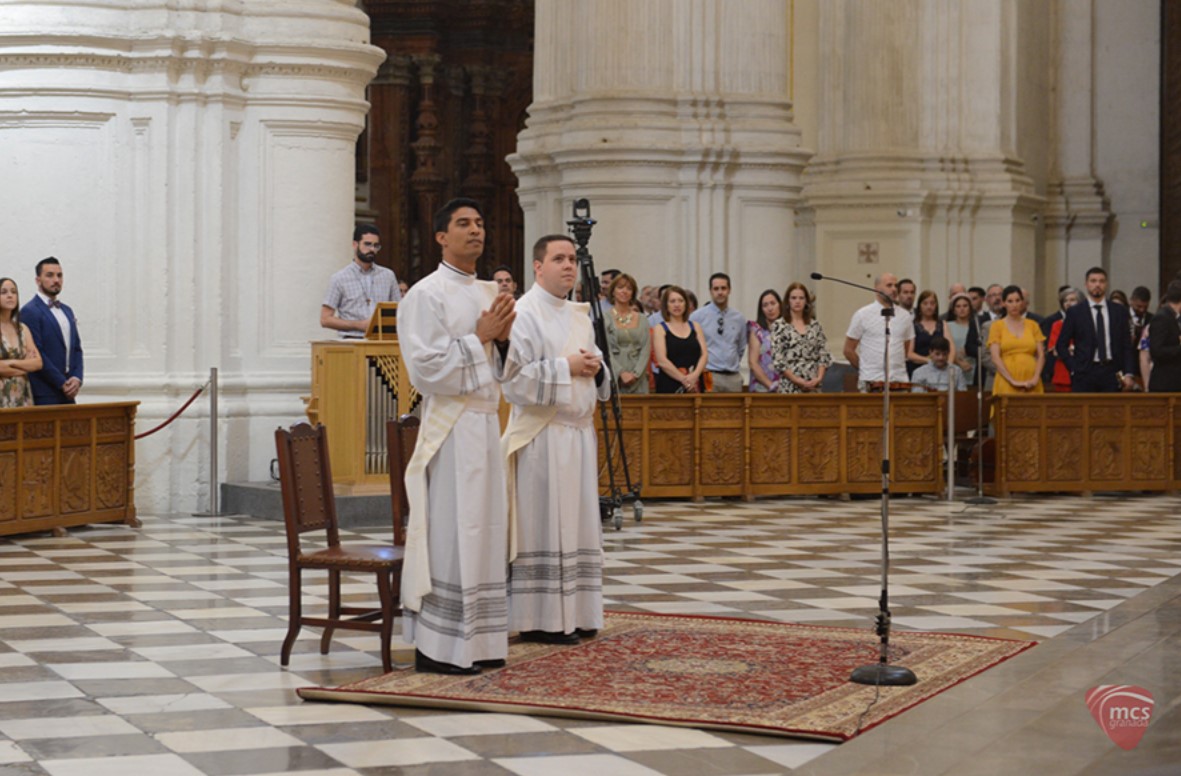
<point>357,385</point>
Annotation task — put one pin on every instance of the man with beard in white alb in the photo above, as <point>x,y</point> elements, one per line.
<point>553,375</point>
<point>453,583</point>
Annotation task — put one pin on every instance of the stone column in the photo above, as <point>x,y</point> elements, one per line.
<point>674,120</point>
<point>192,166</point>
<point>928,111</point>
<point>1077,210</point>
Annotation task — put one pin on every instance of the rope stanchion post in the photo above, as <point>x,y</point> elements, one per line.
<point>214,445</point>
<point>951,437</point>
<point>214,496</point>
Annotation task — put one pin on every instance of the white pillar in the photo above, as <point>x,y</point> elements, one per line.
<point>1077,209</point>
<point>192,167</point>
<point>674,119</point>
<point>929,110</point>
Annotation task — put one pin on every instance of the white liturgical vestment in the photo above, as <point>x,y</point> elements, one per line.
<point>453,582</point>
<point>556,573</point>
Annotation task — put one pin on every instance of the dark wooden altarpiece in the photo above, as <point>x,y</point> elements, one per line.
<point>1170,142</point>
<point>446,108</point>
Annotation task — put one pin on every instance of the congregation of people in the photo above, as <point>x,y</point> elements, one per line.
<point>40,348</point>
<point>660,341</point>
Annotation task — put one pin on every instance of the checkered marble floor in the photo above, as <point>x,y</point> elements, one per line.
<point>155,650</point>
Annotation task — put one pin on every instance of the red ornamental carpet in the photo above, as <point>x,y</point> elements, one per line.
<point>704,672</point>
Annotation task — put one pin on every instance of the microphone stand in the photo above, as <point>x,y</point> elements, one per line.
<point>882,673</point>
<point>979,499</point>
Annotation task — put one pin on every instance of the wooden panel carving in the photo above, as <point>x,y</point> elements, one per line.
<point>670,415</point>
<point>1022,453</point>
<point>670,457</point>
<point>1092,441</point>
<point>1106,453</point>
<point>1150,457</point>
<point>692,446</point>
<point>872,412</point>
<point>864,454</point>
<point>7,487</point>
<point>111,475</point>
<point>73,429</point>
<point>112,425</point>
<point>1025,414</point>
<point>1106,414</point>
<point>1061,412</point>
<point>916,454</point>
<point>770,456</point>
<point>910,413</point>
<point>49,471</point>
<point>773,415</point>
<point>820,455</point>
<point>75,477</point>
<point>7,432</point>
<point>42,430</point>
<point>1064,459</point>
<point>37,482</point>
<point>726,415</point>
<point>721,457</point>
<point>830,413</point>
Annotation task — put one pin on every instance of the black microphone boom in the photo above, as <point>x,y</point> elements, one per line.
<point>882,673</point>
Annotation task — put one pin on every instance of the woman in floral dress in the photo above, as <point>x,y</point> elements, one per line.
<point>799,349</point>
<point>18,353</point>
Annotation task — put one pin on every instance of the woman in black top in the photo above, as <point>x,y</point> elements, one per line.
<point>679,346</point>
<point>927,326</point>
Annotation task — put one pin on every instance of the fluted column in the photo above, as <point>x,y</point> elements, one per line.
<point>929,112</point>
<point>192,166</point>
<point>674,119</point>
<point>1077,210</point>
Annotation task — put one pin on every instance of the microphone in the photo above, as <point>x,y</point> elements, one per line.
<point>887,301</point>
<point>817,276</point>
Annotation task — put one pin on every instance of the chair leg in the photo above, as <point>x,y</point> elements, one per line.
<point>333,608</point>
<point>385,592</point>
<point>294,615</point>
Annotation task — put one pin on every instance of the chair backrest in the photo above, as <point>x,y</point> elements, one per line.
<point>401,436</point>
<point>305,478</point>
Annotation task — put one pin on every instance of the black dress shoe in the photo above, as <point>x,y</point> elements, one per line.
<point>549,637</point>
<point>586,633</point>
<point>428,665</point>
<point>496,663</point>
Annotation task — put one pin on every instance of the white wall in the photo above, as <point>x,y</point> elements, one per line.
<point>191,166</point>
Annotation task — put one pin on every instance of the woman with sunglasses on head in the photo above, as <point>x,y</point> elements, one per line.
<point>18,352</point>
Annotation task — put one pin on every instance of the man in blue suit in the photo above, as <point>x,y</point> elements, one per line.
<point>55,330</point>
<point>1094,343</point>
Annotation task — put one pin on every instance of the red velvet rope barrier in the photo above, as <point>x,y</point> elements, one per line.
<point>176,414</point>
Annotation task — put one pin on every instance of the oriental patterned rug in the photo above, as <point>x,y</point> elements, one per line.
<point>704,672</point>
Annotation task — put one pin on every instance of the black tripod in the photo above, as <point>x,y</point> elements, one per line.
<point>979,499</point>
<point>882,672</point>
<point>610,506</point>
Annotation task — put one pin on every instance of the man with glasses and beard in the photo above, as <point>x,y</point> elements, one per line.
<point>725,335</point>
<point>353,292</point>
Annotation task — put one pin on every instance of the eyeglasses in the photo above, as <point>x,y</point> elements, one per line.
<point>721,325</point>
<point>374,246</point>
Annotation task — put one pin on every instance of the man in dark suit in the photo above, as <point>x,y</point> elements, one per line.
<point>1164,343</point>
<point>55,330</point>
<point>1103,360</point>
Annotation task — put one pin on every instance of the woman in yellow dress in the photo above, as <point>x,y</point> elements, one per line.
<point>1018,348</point>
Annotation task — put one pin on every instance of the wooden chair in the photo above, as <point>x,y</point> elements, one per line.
<point>401,436</point>
<point>309,504</point>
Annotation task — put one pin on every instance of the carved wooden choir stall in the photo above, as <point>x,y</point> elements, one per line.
<point>67,466</point>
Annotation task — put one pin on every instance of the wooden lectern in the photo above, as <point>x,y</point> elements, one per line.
<point>357,385</point>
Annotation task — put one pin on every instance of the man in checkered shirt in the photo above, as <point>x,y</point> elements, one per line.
<point>353,292</point>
